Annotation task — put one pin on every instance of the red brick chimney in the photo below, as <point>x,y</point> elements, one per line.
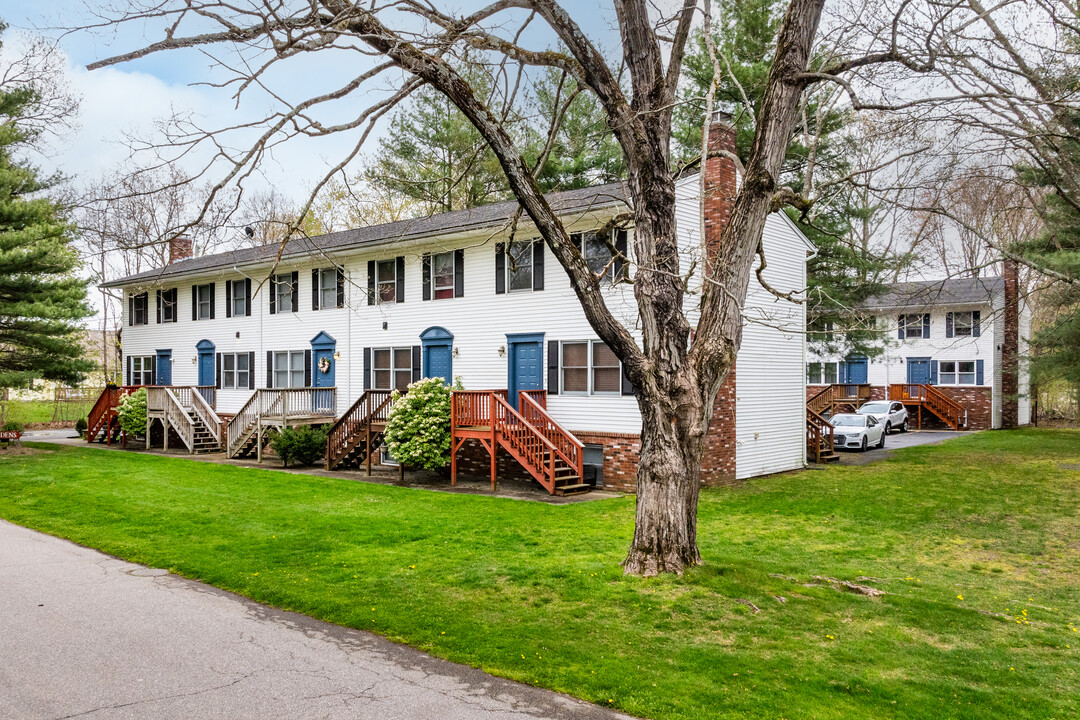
<point>719,179</point>
<point>718,461</point>
<point>180,247</point>
<point>1010,347</point>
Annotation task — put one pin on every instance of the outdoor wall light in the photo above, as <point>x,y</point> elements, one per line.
<point>454,352</point>
<point>237,334</point>
<point>194,359</point>
<point>337,355</point>
<point>502,350</point>
<point>384,325</point>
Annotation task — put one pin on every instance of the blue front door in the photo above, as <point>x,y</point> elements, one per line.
<point>164,367</point>
<point>206,363</point>
<point>320,358</point>
<point>526,366</point>
<point>918,371</point>
<point>437,362</point>
<point>857,370</point>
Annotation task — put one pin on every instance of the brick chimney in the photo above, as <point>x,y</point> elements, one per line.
<point>718,460</point>
<point>719,180</point>
<point>1010,347</point>
<point>180,247</point>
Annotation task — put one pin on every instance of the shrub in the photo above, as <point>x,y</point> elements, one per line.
<point>14,425</point>
<point>80,426</point>
<point>303,445</point>
<point>132,412</point>
<point>418,428</point>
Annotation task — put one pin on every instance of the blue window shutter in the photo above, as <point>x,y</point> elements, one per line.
<point>553,367</point>
<point>841,372</point>
<point>500,268</point>
<point>933,372</point>
<point>978,372</point>
<point>976,319</point>
<point>900,327</point>
<point>371,282</point>
<point>948,325</point>
<point>926,326</point>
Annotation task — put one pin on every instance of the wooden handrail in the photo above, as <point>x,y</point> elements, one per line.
<point>937,401</point>
<point>569,448</point>
<point>178,418</point>
<point>206,414</point>
<point>537,396</point>
<point>528,441</point>
<point>819,435</point>
<point>241,423</point>
<point>838,394</point>
<point>371,406</point>
<point>209,394</point>
<point>471,408</point>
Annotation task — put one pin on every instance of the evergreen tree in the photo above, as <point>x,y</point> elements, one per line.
<point>42,300</point>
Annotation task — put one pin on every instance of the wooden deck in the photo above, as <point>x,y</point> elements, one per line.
<point>937,403</point>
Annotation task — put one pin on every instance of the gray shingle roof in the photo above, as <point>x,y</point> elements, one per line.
<point>926,294</point>
<point>486,216</point>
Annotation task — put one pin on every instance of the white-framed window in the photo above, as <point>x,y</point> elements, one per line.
<point>519,267</point>
<point>236,370</point>
<point>289,369</point>
<point>142,369</point>
<point>391,368</point>
<point>386,281</point>
<point>284,300</point>
<point>238,301</point>
<point>913,325</point>
<point>822,373</point>
<point>442,275</point>
<point>590,367</point>
<point>168,305</point>
<point>140,313</point>
<point>328,285</point>
<point>963,323</point>
<point>956,372</point>
<point>203,293</point>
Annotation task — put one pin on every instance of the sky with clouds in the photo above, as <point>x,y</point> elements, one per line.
<point>126,100</point>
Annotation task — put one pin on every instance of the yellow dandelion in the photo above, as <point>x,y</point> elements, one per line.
<point>959,597</point>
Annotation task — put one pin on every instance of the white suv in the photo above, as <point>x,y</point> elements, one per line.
<point>890,412</point>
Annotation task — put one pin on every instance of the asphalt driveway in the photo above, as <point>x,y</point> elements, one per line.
<point>895,441</point>
<point>86,635</point>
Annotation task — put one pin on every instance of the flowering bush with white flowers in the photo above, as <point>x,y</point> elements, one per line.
<point>418,428</point>
<point>132,413</point>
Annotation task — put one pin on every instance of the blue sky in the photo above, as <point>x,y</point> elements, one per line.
<point>128,98</point>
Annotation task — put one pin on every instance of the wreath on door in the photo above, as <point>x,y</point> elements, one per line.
<point>324,365</point>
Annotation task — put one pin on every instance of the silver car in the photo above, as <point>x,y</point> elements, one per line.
<point>891,413</point>
<point>857,432</point>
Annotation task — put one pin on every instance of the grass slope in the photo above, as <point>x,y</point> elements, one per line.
<point>977,543</point>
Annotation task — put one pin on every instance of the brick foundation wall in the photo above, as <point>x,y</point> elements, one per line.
<point>978,401</point>
<point>620,458</point>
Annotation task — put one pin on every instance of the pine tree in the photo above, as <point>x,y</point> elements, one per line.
<point>42,300</point>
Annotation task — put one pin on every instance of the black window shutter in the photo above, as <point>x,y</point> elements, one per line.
<point>933,372</point>
<point>228,298</point>
<point>926,326</point>
<point>340,288</point>
<point>217,372</point>
<point>307,368</point>
<point>269,369</point>
<point>131,309</point>
<point>251,370</point>
<point>159,307</point>
<point>247,302</point>
<point>153,370</point>
<point>212,299</point>
<point>400,292</point>
<point>314,289</point>
<point>579,243</point>
<point>295,290</point>
<point>371,282</point>
<point>553,367</point>
<point>425,276</point>
<point>416,349</point>
<point>128,381</point>
<point>367,368</point>
<point>900,327</point>
<point>948,325</point>
<point>620,265</point>
<point>976,319</point>
<point>627,386</point>
<point>538,265</point>
<point>459,272</point>
<point>500,268</point>
<point>272,282</point>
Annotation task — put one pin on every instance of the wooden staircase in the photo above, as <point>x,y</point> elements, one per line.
<point>938,403</point>
<point>839,395</point>
<point>276,408</point>
<point>187,413</point>
<point>819,439</point>
<point>102,425</point>
<point>355,435</point>
<point>550,454</point>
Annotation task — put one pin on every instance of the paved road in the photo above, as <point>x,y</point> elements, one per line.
<point>895,441</point>
<point>84,635</point>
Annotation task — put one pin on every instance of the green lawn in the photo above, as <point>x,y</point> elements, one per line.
<point>40,411</point>
<point>977,543</point>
